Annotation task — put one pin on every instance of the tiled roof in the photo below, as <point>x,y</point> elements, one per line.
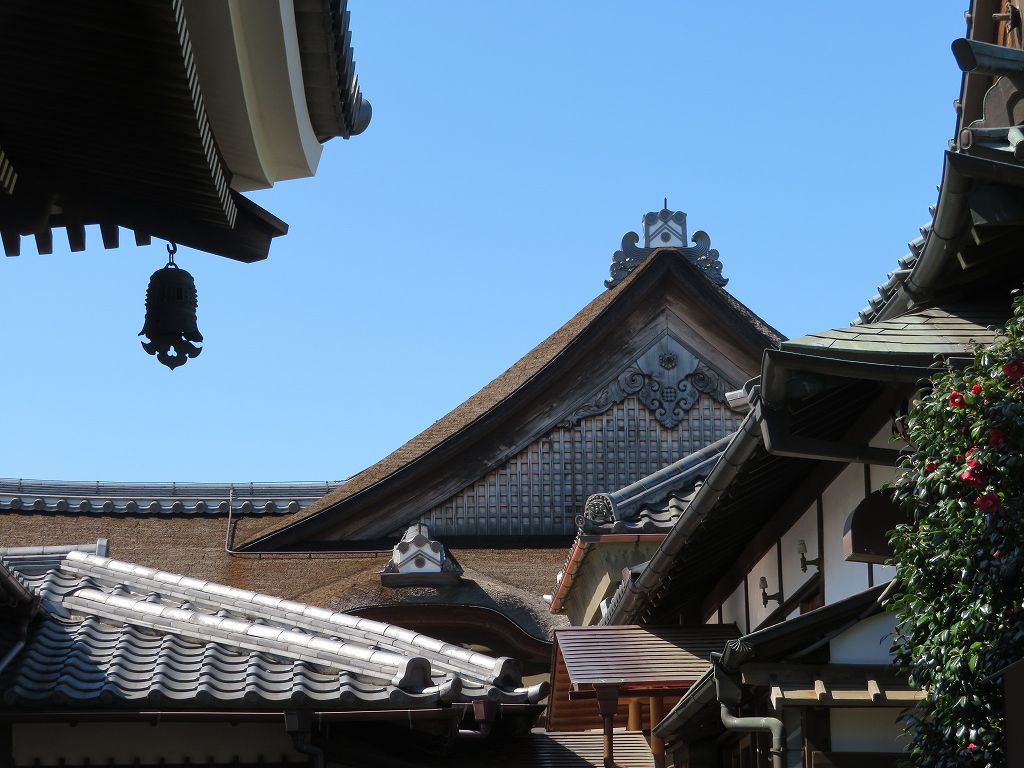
<point>114,633</point>
<point>34,561</point>
<point>897,277</point>
<point>949,331</point>
<point>652,503</point>
<point>99,498</point>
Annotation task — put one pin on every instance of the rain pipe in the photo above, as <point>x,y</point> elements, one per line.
<point>770,725</point>
<point>729,693</point>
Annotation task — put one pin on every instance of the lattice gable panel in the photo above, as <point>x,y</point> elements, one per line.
<point>542,489</point>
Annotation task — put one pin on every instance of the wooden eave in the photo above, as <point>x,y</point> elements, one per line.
<point>110,128</point>
<point>509,412</point>
<point>831,685</point>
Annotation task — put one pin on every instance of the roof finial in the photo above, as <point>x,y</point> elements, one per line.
<point>665,229</point>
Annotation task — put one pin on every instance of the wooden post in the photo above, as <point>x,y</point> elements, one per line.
<point>1013,685</point>
<point>608,705</point>
<point>657,744</point>
<point>636,720</point>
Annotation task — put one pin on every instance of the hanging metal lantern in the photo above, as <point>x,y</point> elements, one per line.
<point>171,302</point>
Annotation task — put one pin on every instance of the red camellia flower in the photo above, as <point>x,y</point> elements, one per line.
<point>976,389</point>
<point>956,399</point>
<point>1014,369</point>
<point>972,746</point>
<point>931,466</point>
<point>976,480</point>
<point>996,555</point>
<point>996,438</point>
<point>973,463</point>
<point>988,502</point>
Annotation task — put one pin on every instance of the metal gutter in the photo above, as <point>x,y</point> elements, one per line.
<point>948,229</point>
<point>778,362</point>
<point>632,596</point>
<point>951,221</point>
<point>701,694</point>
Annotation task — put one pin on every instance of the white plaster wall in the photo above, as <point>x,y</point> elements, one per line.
<point>733,610</point>
<point>805,528</point>
<point>867,730</point>
<point>884,439</point>
<point>842,579</point>
<point>880,475</point>
<point>767,566</point>
<point>122,743</point>
<point>866,642</point>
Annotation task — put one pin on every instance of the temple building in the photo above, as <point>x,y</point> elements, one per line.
<point>459,532</point>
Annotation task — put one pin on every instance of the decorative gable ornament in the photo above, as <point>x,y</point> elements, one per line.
<point>667,378</point>
<point>665,229</point>
<point>419,560</point>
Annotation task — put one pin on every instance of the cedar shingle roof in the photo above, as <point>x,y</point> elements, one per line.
<point>498,392</point>
<point>510,581</point>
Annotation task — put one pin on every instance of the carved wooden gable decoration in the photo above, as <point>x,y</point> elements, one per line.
<point>635,381</point>
<point>660,406</point>
<point>668,379</point>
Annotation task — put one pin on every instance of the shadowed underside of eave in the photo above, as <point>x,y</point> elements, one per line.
<point>111,129</point>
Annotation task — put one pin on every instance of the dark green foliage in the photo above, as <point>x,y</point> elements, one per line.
<point>959,602</point>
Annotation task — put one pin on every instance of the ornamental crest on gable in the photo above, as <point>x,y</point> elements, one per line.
<point>668,379</point>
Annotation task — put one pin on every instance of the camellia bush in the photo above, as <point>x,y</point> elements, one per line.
<point>959,600</point>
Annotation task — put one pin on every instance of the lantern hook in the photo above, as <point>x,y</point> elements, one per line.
<point>172,248</point>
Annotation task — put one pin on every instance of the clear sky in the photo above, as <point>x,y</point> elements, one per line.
<point>512,145</point>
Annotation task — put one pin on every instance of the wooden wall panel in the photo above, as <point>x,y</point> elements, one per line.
<point>540,491</point>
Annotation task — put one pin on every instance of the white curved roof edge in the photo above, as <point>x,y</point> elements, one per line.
<point>250,72</point>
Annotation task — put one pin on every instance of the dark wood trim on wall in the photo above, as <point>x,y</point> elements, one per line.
<point>6,746</point>
<point>778,558</point>
<point>746,604</point>
<point>821,533</point>
<point>783,519</point>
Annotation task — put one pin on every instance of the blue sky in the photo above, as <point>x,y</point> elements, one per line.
<point>512,145</point>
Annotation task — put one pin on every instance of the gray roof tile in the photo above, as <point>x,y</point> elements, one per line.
<point>165,499</point>
<point>113,633</point>
<point>946,331</point>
